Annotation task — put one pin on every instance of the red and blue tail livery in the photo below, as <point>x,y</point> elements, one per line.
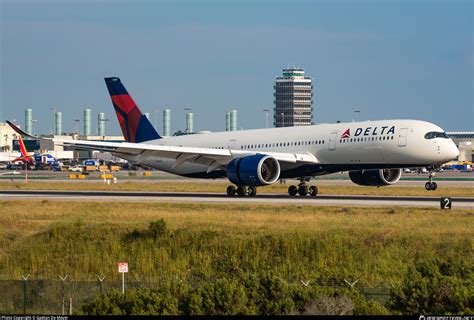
<point>25,157</point>
<point>135,125</point>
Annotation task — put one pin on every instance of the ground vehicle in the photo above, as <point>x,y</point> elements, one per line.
<point>75,169</point>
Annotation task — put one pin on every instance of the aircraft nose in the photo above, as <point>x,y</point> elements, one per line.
<point>453,151</point>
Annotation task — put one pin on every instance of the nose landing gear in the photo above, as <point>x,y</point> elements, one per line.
<point>431,185</point>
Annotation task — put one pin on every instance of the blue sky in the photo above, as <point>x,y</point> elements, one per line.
<point>386,58</point>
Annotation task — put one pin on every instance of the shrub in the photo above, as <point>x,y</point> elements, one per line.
<point>223,297</point>
<point>133,302</point>
<point>274,295</point>
<point>157,228</point>
<point>433,287</point>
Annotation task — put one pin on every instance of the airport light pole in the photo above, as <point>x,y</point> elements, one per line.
<point>33,122</point>
<point>6,139</point>
<point>356,112</point>
<point>155,111</point>
<point>54,109</point>
<point>266,117</point>
<point>7,146</point>
<point>76,125</point>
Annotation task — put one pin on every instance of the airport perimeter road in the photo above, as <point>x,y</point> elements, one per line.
<point>271,199</point>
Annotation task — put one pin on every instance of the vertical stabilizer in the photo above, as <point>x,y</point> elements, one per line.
<point>135,125</point>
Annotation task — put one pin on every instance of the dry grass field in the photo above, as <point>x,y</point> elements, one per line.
<point>376,245</point>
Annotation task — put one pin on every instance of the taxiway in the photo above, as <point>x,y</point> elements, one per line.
<point>267,199</point>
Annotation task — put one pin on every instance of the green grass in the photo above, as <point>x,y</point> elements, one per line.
<point>375,245</point>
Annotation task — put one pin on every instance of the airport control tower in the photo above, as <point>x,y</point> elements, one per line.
<point>293,99</point>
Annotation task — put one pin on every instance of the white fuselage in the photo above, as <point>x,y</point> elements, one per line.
<point>337,147</point>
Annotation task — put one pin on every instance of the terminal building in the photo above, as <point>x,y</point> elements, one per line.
<point>293,99</point>
<point>465,143</point>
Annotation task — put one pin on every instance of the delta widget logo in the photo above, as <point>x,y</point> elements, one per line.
<point>346,134</point>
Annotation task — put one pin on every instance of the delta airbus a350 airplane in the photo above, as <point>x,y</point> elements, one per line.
<point>374,152</point>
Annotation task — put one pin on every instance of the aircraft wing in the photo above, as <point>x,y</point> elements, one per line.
<point>210,156</point>
<point>214,158</point>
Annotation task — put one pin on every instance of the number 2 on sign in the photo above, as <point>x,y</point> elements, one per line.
<point>446,203</point>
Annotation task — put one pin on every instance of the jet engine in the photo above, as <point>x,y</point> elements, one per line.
<point>256,170</point>
<point>378,178</point>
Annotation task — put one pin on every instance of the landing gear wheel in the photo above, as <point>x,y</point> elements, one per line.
<point>313,191</point>
<point>252,191</point>
<point>230,191</point>
<point>430,185</point>
<point>292,190</point>
<point>241,191</point>
<point>303,190</point>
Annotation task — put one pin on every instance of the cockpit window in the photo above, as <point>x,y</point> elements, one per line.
<point>434,134</point>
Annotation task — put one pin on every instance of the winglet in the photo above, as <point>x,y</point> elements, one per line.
<point>21,132</point>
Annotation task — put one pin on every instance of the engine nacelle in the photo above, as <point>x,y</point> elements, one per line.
<point>256,170</point>
<point>378,178</point>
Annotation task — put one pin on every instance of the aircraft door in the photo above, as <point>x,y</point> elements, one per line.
<point>231,144</point>
<point>332,140</point>
<point>402,137</point>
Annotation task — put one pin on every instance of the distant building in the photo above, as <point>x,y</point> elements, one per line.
<point>7,135</point>
<point>293,99</point>
<point>233,120</point>
<point>78,154</point>
<point>465,143</point>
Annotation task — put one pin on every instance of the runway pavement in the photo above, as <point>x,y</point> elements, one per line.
<point>270,199</point>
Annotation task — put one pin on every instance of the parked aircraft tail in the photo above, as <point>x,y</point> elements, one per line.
<point>25,157</point>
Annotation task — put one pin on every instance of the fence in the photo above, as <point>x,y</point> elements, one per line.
<point>66,297</point>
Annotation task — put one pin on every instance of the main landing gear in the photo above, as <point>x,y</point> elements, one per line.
<point>241,191</point>
<point>303,189</point>
<point>431,185</point>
